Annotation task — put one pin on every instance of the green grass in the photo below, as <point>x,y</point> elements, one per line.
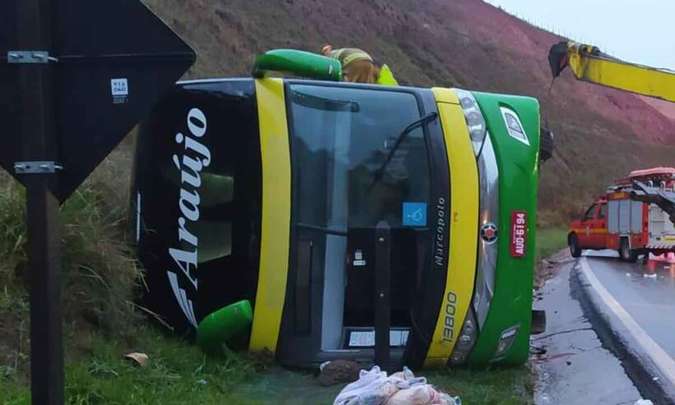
<point>176,373</point>
<point>100,279</point>
<point>179,372</point>
<point>100,276</point>
<point>101,323</point>
<point>550,240</point>
<point>492,386</point>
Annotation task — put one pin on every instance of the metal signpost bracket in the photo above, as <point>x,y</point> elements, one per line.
<point>29,57</point>
<point>36,167</point>
<point>42,100</point>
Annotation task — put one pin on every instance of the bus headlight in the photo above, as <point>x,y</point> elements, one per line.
<point>486,267</point>
<point>474,118</point>
<point>506,341</point>
<point>466,340</point>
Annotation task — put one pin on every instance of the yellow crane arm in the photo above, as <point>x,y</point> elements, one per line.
<point>590,65</point>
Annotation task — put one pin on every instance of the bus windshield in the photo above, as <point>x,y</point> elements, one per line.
<point>341,138</point>
<point>349,174</point>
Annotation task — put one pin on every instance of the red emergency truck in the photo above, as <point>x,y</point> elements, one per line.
<point>627,219</point>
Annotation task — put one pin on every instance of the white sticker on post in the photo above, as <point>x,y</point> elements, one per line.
<point>119,87</point>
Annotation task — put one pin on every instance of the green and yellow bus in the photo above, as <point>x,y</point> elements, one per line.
<point>347,215</point>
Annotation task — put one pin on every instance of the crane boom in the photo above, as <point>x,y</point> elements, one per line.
<point>590,65</point>
<point>653,195</point>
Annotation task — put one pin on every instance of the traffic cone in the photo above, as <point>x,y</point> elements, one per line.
<point>651,266</point>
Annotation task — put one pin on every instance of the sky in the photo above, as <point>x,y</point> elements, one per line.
<point>640,31</point>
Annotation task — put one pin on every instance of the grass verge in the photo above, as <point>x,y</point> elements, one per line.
<point>101,323</point>
<point>550,240</point>
<point>179,372</point>
<point>100,279</point>
<point>493,386</point>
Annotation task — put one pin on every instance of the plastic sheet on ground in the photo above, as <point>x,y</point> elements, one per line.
<point>374,387</point>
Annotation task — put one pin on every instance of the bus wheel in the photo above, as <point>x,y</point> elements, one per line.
<point>626,253</point>
<point>573,243</point>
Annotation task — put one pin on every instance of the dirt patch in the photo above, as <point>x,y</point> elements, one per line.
<point>548,267</point>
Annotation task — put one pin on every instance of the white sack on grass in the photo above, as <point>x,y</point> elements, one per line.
<point>374,387</point>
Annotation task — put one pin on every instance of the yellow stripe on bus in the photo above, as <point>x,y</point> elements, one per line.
<point>463,229</point>
<point>276,215</point>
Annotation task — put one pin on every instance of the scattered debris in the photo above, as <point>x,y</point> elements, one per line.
<point>537,350</point>
<point>374,387</point>
<point>338,372</point>
<point>141,359</point>
<point>262,360</point>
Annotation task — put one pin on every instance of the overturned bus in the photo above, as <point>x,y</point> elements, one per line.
<point>355,219</point>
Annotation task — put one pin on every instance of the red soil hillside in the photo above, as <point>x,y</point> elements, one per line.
<point>525,47</point>
<point>601,134</point>
<point>664,107</point>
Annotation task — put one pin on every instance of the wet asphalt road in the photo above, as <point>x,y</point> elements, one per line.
<point>572,366</point>
<point>647,295</point>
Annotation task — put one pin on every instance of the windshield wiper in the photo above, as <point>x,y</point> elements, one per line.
<point>322,229</point>
<point>322,103</point>
<point>399,140</point>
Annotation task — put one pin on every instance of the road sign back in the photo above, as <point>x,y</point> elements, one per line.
<point>110,62</point>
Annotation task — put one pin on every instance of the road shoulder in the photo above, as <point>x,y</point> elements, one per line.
<point>648,365</point>
<point>571,364</point>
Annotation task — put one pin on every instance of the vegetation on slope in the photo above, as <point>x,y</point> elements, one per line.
<point>100,277</point>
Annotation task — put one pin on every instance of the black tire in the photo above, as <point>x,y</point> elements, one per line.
<point>573,243</point>
<point>626,253</point>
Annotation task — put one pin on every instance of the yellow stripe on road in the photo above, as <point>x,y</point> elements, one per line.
<point>463,230</point>
<point>276,215</point>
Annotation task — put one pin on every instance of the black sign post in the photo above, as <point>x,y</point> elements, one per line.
<point>78,75</point>
<point>42,207</point>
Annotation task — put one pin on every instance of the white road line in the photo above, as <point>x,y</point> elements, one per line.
<point>661,359</point>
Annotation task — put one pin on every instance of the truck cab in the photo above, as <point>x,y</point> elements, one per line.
<point>590,231</point>
<point>340,210</point>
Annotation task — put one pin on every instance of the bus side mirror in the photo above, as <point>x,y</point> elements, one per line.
<point>546,144</point>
